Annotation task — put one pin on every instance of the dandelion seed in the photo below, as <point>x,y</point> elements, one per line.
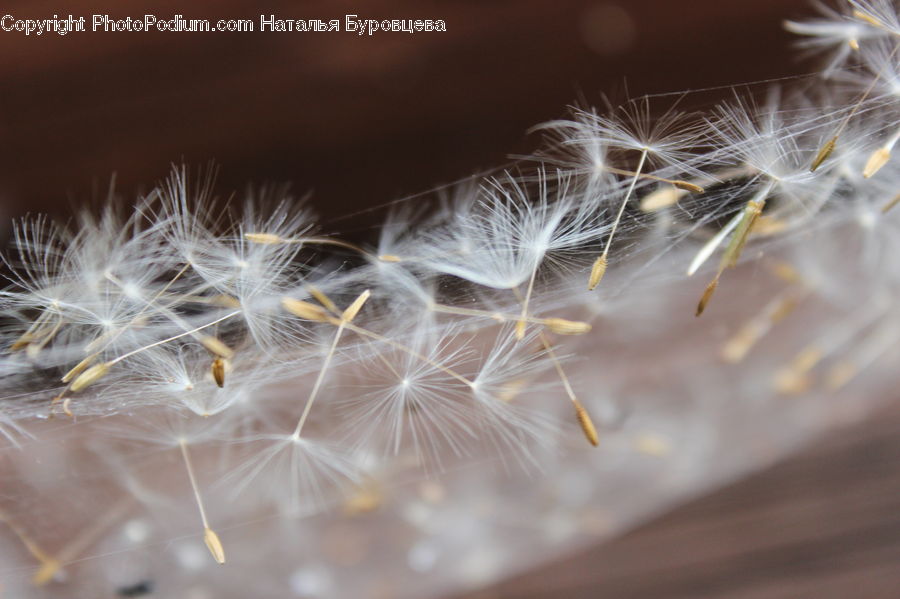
<point>218,371</point>
<point>733,251</point>
<point>891,204</point>
<point>52,565</point>
<point>304,310</point>
<point>707,295</point>
<point>264,238</point>
<point>217,347</point>
<point>78,368</point>
<point>90,376</point>
<point>598,269</point>
<point>350,313</point>
<point>713,244</point>
<point>561,326</point>
<point>661,198</point>
<point>584,419</point>
<point>878,159</point>
<point>346,318</point>
<point>209,536</point>
<point>48,565</point>
<point>742,232</point>
<point>587,425</point>
<point>824,152</point>
<point>413,403</point>
<point>833,33</point>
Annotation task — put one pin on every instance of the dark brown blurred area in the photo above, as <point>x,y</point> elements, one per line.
<point>358,120</point>
<point>361,121</point>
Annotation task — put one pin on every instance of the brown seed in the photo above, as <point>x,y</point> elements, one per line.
<point>216,346</point>
<point>597,272</point>
<point>688,186</point>
<point>891,204</point>
<point>858,14</point>
<point>353,309</point>
<point>21,342</point>
<point>78,368</point>
<point>561,326</point>
<point>90,376</point>
<point>707,295</point>
<point>304,310</point>
<point>322,299</point>
<point>741,233</point>
<point>218,371</point>
<point>824,152</point>
<point>263,238</point>
<point>587,425</point>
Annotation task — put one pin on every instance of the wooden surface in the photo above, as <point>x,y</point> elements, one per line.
<point>824,524</point>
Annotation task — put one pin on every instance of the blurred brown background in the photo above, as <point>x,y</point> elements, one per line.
<point>361,121</point>
<point>358,120</point>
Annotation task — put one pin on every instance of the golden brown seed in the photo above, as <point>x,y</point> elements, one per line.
<point>353,309</point>
<point>587,425</point>
<point>78,368</point>
<point>263,238</point>
<point>688,186</point>
<point>824,152</point>
<point>520,329</point>
<point>661,198</point>
<point>214,545</point>
<point>21,342</point>
<point>597,272</point>
<point>90,376</point>
<point>304,310</point>
<point>707,295</point>
<point>225,301</point>
<point>561,326</point>
<point>877,160</point>
<point>741,234</point>
<point>390,258</point>
<point>218,371</point>
<point>891,204</point>
<point>216,346</point>
<point>867,18</point>
<point>322,299</point>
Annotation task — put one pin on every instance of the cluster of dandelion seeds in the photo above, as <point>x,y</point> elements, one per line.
<point>654,302</point>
